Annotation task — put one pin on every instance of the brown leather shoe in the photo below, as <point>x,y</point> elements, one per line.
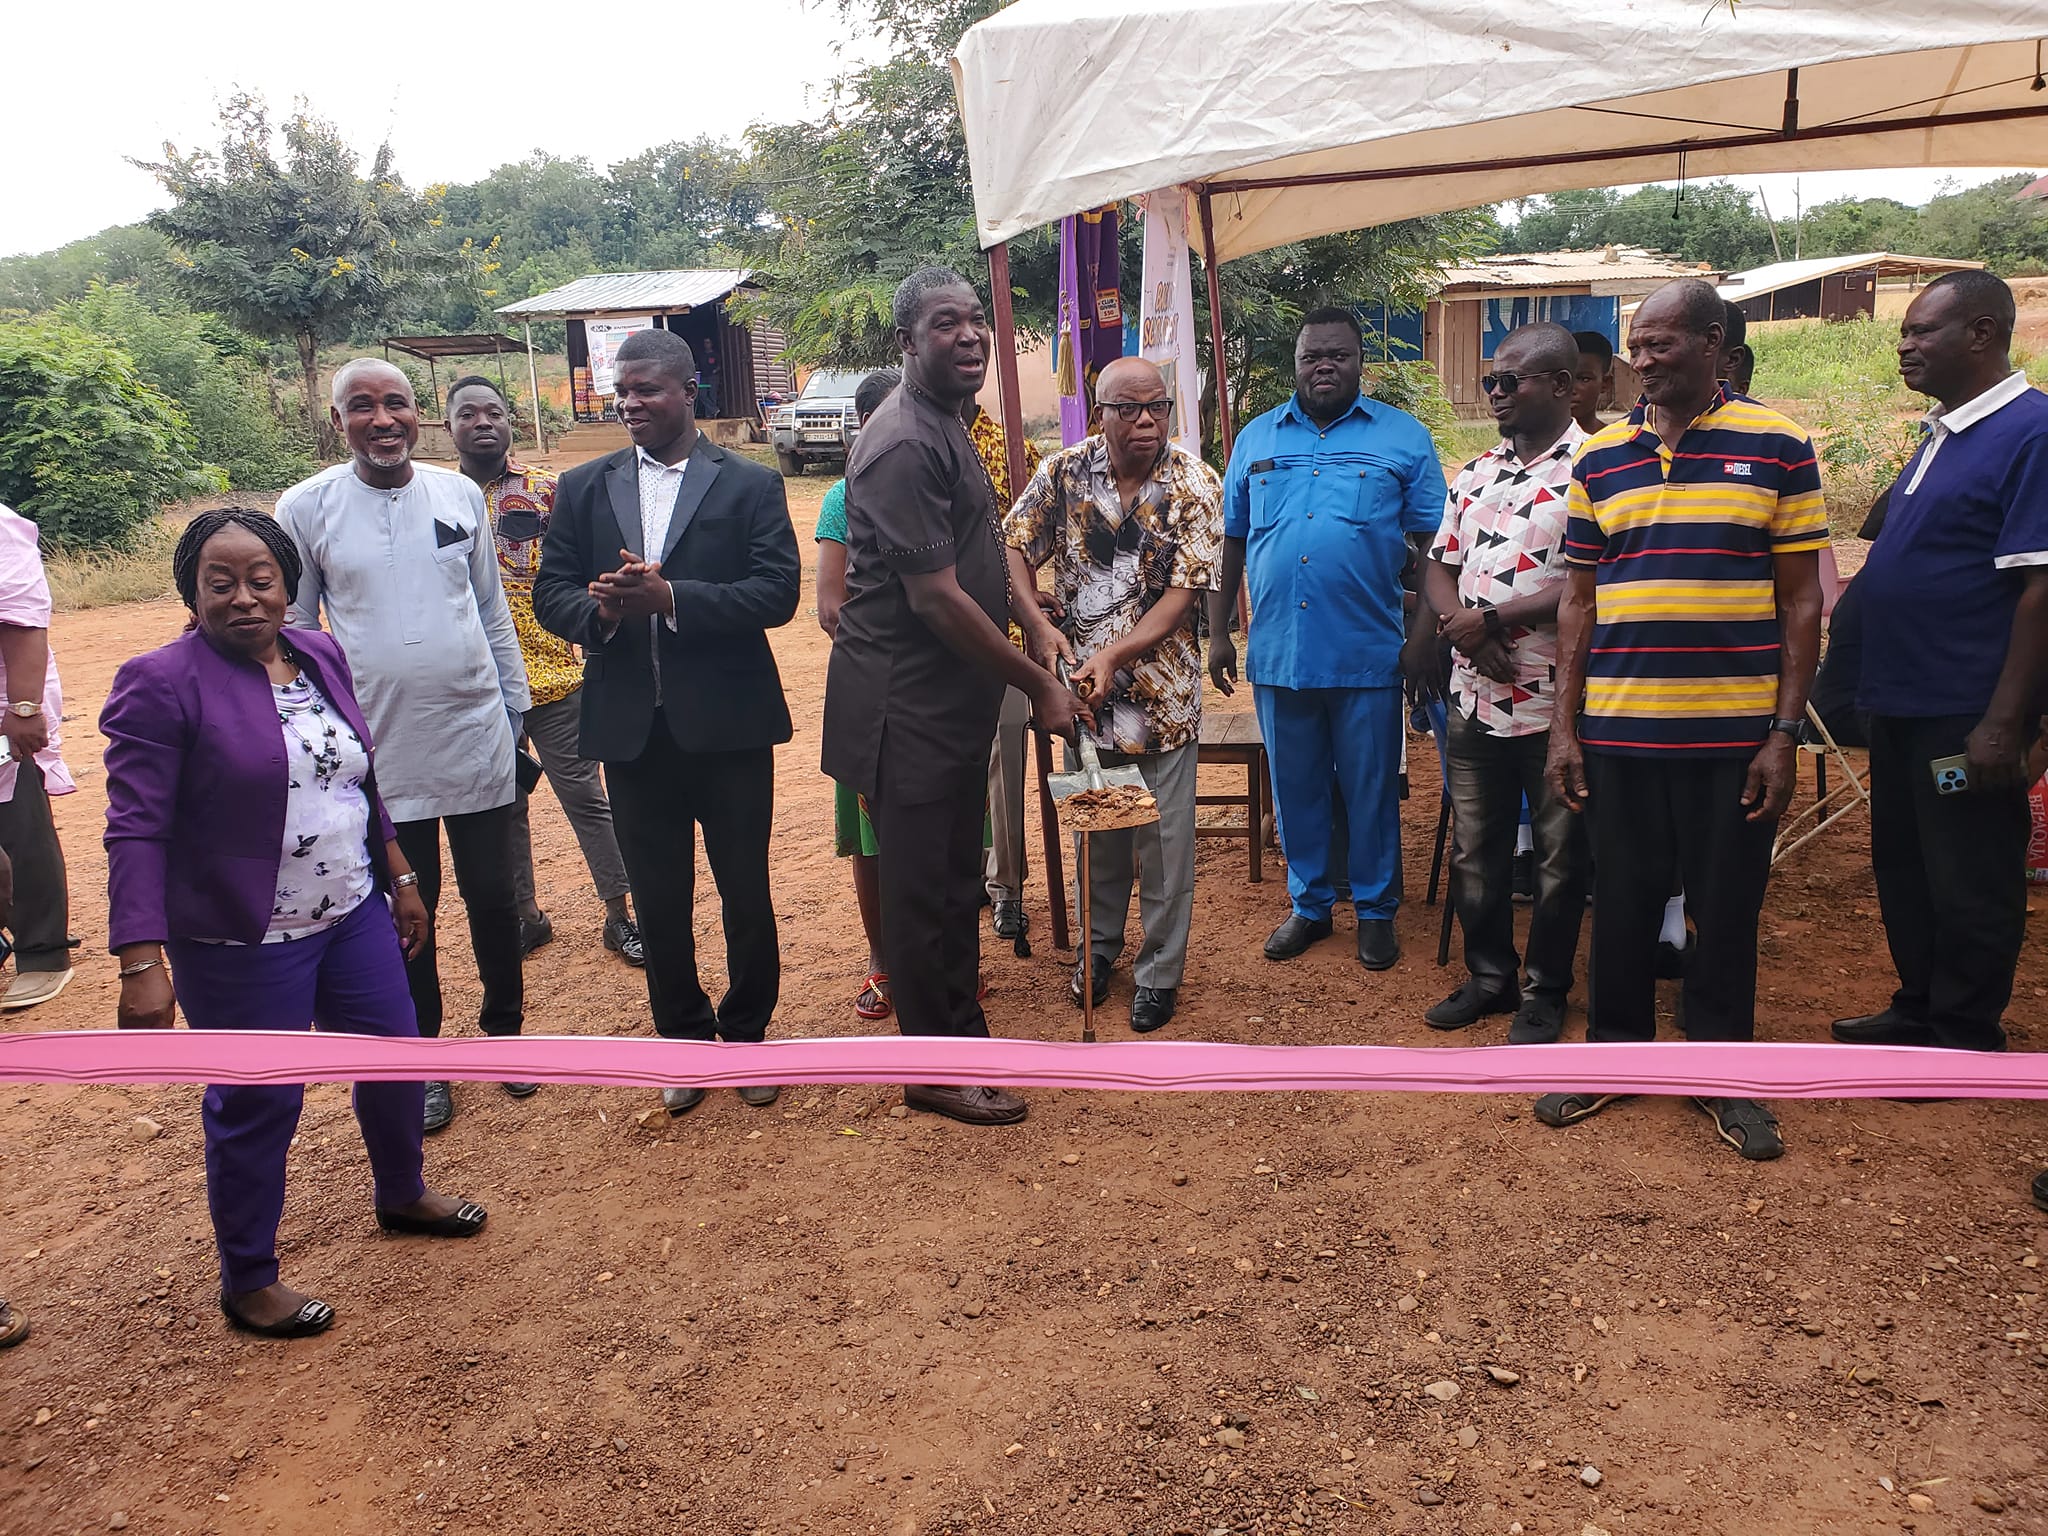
<point>971,1105</point>
<point>760,1095</point>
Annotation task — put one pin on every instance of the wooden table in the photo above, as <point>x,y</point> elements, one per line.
<point>1234,739</point>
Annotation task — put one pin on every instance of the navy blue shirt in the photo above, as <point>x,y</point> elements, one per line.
<point>1969,513</point>
<point>1325,513</point>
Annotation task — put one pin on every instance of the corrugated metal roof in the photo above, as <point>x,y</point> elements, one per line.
<point>1615,269</point>
<point>1758,281</point>
<point>630,292</point>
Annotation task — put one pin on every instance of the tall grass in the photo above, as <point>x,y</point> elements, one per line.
<point>99,578</point>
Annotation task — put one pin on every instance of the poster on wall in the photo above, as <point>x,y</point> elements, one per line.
<point>1166,315</point>
<point>604,337</point>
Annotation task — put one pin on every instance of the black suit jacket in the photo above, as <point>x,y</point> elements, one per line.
<point>732,562</point>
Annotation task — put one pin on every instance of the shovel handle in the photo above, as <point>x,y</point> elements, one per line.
<point>1087,950</point>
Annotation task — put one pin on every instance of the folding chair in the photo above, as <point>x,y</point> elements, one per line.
<point>1435,717</point>
<point>1845,796</point>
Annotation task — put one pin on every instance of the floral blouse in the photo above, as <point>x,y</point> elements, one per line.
<point>323,873</point>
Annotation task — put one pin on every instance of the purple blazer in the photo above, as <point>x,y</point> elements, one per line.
<point>196,786</point>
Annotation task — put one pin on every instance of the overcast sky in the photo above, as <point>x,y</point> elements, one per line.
<point>459,90</point>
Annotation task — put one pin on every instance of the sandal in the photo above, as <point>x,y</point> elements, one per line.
<point>1562,1109</point>
<point>13,1326</point>
<point>1746,1126</point>
<point>982,989</point>
<point>467,1221</point>
<point>314,1317</point>
<point>873,1002</point>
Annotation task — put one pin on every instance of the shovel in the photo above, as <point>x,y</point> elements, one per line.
<point>1064,786</point>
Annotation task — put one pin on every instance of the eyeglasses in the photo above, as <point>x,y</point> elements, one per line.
<point>1131,410</point>
<point>1508,383</point>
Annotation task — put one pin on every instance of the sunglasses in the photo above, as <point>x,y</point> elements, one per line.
<point>1508,383</point>
<point>1131,410</point>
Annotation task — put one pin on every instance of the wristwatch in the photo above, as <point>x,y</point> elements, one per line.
<point>1790,728</point>
<point>26,709</point>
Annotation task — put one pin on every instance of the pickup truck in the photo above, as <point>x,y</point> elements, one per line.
<point>818,426</point>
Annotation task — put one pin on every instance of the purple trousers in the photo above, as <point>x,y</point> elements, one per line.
<point>351,979</point>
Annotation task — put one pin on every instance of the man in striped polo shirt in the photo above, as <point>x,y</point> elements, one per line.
<point>1687,640</point>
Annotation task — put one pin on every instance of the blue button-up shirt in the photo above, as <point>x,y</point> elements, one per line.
<point>1325,513</point>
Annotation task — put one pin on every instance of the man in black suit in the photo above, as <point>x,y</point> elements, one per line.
<point>668,562</point>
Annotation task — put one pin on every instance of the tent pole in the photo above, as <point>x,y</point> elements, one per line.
<point>1006,370</point>
<point>499,353</point>
<point>533,383</point>
<point>1224,429</point>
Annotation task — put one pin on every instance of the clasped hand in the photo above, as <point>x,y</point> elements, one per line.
<point>635,590</point>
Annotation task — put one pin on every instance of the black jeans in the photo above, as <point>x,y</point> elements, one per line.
<point>659,799</point>
<point>1489,776</point>
<point>1649,814</point>
<point>929,866</point>
<point>42,899</point>
<point>1951,882</point>
<point>481,847</point>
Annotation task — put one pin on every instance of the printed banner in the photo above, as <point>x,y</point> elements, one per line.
<point>1166,321</point>
<point>604,337</point>
<point>1803,1070</point>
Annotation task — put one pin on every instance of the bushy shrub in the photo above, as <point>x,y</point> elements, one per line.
<point>89,450</point>
<point>210,370</point>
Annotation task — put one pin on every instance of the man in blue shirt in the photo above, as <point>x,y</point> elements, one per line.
<point>1955,666</point>
<point>1319,502</point>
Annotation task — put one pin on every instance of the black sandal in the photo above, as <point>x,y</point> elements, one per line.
<point>1562,1109</point>
<point>314,1317</point>
<point>13,1326</point>
<point>1746,1126</point>
<point>467,1221</point>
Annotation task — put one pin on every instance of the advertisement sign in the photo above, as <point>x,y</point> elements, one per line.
<point>604,337</point>
<point>1166,316</point>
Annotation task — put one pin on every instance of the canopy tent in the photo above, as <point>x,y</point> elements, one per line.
<point>1317,116</point>
<point>1295,118</point>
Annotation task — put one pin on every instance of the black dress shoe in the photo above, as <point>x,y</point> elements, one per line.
<point>1539,1021</point>
<point>2041,1189</point>
<point>1151,1008</point>
<point>1010,920</point>
<point>1102,970</point>
<point>1887,1028</point>
<point>1295,935</point>
<point>680,1101</point>
<point>535,932</point>
<point>969,1105</point>
<point>760,1095</point>
<point>520,1090</point>
<point>622,938</point>
<point>1378,948</point>
<point>1472,1002</point>
<point>440,1108</point>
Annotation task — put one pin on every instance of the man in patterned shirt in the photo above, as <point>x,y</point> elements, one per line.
<point>1491,588</point>
<point>1687,639</point>
<point>1003,861</point>
<point>519,502</point>
<point>1133,526</point>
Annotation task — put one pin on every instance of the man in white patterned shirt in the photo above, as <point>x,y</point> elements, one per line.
<point>1490,590</point>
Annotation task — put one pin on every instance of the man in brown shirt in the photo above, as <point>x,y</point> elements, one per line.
<point>918,669</point>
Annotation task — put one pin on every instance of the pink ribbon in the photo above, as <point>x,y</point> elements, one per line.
<point>1760,1070</point>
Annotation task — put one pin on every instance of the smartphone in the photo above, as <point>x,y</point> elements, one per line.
<point>1951,774</point>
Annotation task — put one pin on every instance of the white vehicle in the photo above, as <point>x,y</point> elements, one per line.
<point>819,425</point>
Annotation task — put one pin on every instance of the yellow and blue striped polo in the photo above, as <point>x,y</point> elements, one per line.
<point>1685,638</point>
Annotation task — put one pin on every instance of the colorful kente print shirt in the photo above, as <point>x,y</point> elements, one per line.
<point>521,500</point>
<point>1503,533</point>
<point>1112,562</point>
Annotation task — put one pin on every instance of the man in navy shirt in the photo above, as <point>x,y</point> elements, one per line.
<point>1319,502</point>
<point>1955,663</point>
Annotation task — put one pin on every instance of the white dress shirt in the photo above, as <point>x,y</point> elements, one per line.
<point>660,485</point>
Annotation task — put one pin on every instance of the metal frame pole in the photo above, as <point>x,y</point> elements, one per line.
<point>533,383</point>
<point>1225,428</point>
<point>1006,367</point>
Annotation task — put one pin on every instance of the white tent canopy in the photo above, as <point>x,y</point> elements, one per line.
<point>1310,117</point>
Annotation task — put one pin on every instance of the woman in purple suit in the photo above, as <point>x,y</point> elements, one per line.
<point>249,861</point>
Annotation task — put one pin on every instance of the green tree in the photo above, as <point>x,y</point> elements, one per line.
<point>1850,226</point>
<point>133,254</point>
<point>88,450</point>
<point>210,372</point>
<point>295,245</point>
<point>1716,222</point>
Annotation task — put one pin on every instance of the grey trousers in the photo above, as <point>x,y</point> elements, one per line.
<point>552,728</point>
<point>1164,856</point>
<point>1009,786</point>
<point>42,898</point>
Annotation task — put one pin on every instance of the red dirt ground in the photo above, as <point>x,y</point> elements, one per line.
<point>823,1318</point>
